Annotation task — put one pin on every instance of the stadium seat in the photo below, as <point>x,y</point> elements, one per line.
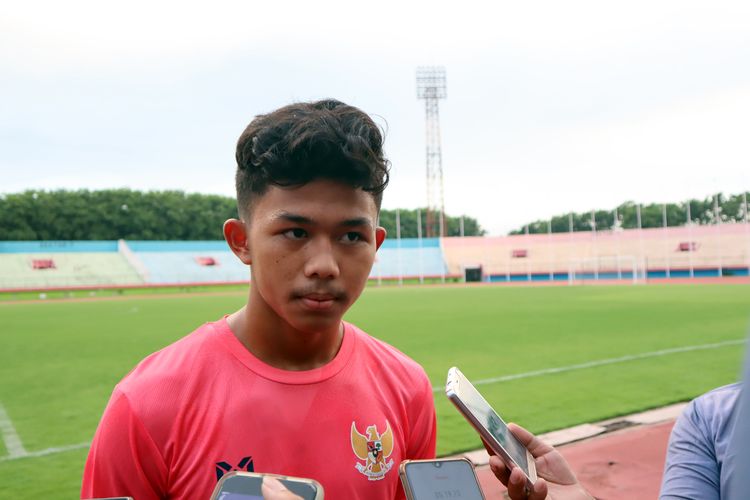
<point>687,246</point>
<point>42,264</point>
<point>206,261</point>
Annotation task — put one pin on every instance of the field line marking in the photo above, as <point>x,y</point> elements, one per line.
<point>11,438</point>
<point>601,362</point>
<point>47,451</point>
<point>17,451</point>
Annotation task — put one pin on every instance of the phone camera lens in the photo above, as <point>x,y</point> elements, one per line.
<point>438,464</point>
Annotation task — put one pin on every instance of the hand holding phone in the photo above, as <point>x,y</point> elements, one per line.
<point>489,425</point>
<point>560,482</point>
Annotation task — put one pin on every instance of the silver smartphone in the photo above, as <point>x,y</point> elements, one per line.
<point>440,478</point>
<point>240,485</point>
<point>488,424</point>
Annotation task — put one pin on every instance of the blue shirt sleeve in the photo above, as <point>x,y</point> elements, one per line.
<point>697,465</point>
<point>691,470</point>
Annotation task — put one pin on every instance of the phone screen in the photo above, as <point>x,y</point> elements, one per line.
<point>245,487</point>
<point>226,495</point>
<point>483,412</point>
<point>431,480</point>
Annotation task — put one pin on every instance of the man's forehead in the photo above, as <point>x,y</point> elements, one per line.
<point>317,201</point>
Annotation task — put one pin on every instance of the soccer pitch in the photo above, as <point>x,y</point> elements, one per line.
<point>550,357</point>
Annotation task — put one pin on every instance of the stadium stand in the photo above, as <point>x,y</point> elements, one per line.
<point>188,262</point>
<point>50,264</point>
<point>674,252</point>
<point>719,250</point>
<point>409,258</point>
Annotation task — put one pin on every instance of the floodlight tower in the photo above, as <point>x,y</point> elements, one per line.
<point>431,88</point>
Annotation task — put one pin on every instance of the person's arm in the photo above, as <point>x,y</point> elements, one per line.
<point>555,476</point>
<point>691,470</point>
<point>123,459</point>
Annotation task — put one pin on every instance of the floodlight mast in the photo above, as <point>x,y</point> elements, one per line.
<point>431,87</point>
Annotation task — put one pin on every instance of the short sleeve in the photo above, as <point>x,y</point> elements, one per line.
<point>423,435</point>
<point>123,459</point>
<point>691,470</point>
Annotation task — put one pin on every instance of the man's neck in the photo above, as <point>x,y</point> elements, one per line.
<point>277,343</point>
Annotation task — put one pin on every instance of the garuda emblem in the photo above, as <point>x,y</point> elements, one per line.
<point>374,449</point>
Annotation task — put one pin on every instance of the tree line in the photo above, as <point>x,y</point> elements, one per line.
<point>711,210</point>
<point>412,220</point>
<point>114,214</point>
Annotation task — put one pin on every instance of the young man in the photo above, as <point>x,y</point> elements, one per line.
<point>283,385</point>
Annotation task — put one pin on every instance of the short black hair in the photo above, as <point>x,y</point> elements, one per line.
<point>303,142</point>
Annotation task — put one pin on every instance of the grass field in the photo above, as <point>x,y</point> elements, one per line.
<point>60,359</point>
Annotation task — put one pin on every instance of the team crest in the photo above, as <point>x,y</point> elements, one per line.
<point>374,449</point>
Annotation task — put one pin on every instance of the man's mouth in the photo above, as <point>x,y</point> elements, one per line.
<point>318,301</point>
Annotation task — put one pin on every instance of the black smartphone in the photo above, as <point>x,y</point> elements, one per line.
<point>440,478</point>
<point>239,485</point>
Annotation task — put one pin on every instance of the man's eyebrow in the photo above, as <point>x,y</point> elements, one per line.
<point>301,219</point>
<point>290,217</point>
<point>357,221</point>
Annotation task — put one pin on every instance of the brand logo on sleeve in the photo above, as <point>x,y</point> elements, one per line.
<point>374,448</point>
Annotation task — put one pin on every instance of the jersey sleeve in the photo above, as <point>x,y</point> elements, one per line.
<point>423,433</point>
<point>691,469</point>
<point>123,459</point>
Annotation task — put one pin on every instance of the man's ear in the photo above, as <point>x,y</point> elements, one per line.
<point>235,232</point>
<point>379,237</point>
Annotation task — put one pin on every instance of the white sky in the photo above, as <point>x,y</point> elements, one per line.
<point>552,106</point>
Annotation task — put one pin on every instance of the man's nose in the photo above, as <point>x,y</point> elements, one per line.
<point>321,262</point>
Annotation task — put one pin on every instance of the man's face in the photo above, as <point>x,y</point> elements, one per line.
<point>311,249</point>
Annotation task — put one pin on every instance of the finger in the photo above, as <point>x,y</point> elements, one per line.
<point>499,469</point>
<point>539,490</point>
<point>517,485</point>
<point>272,484</point>
<point>487,447</point>
<point>272,489</point>
<point>536,446</point>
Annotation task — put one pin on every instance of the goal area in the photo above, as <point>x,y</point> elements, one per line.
<point>606,268</point>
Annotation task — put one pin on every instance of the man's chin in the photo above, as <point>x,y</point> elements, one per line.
<point>317,324</point>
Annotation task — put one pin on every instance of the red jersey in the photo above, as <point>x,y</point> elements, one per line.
<point>205,405</point>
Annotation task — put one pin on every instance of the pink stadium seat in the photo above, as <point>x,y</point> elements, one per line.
<point>687,246</point>
<point>43,264</point>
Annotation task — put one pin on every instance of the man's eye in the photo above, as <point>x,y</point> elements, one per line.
<point>295,233</point>
<point>352,237</point>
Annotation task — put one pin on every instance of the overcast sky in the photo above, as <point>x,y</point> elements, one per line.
<point>552,106</point>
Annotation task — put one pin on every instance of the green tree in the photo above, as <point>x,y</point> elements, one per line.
<point>112,214</point>
<point>410,227</point>
<point>729,209</point>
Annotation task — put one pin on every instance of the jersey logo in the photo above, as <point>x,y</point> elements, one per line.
<point>245,464</point>
<point>374,449</point>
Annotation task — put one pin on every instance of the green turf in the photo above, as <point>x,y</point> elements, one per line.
<point>22,295</point>
<point>60,359</point>
<point>118,292</point>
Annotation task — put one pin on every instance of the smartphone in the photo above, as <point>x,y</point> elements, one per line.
<point>440,478</point>
<point>488,424</point>
<point>240,485</point>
